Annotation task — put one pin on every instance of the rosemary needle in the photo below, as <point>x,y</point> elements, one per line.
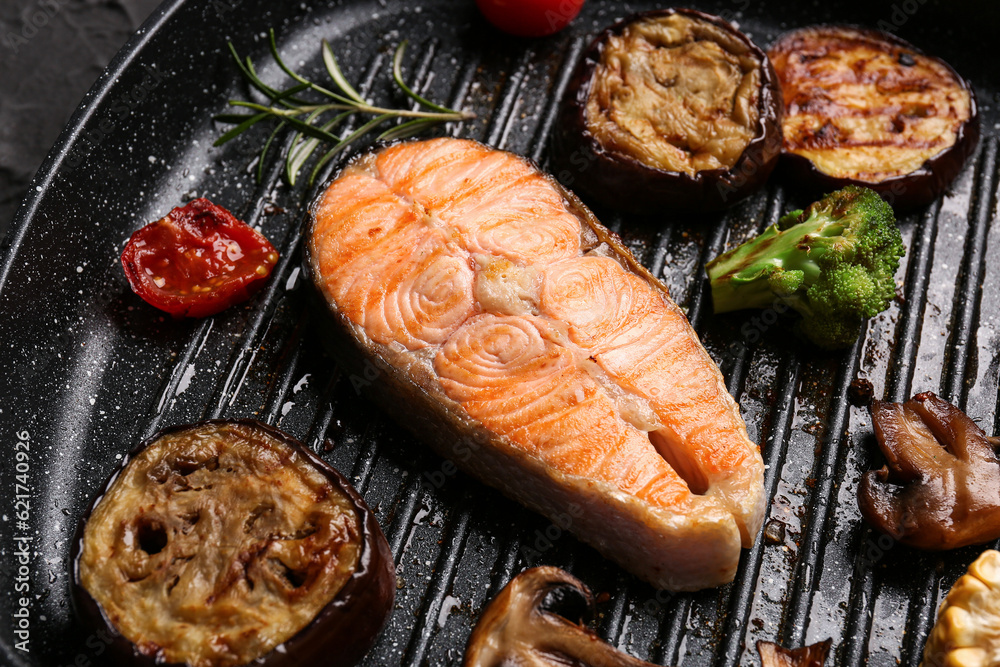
<point>315,122</point>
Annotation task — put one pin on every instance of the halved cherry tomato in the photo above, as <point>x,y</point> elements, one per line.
<point>530,18</point>
<point>197,261</point>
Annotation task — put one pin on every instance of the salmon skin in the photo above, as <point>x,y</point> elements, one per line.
<point>517,336</point>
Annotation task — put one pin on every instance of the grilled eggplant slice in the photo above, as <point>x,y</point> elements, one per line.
<point>669,109</point>
<point>489,312</point>
<point>867,108</point>
<point>228,542</point>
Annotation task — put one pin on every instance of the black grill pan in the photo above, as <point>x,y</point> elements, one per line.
<point>88,370</point>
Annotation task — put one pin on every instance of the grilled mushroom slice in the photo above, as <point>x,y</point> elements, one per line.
<point>774,655</point>
<point>940,487</point>
<point>529,624</point>
<point>669,109</point>
<point>867,108</point>
<point>222,543</point>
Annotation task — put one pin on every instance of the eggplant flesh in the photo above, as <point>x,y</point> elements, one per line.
<point>676,93</point>
<point>868,108</point>
<point>671,108</point>
<point>217,543</point>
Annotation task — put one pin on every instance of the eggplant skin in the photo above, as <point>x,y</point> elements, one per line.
<point>338,636</point>
<point>914,189</point>
<point>622,182</point>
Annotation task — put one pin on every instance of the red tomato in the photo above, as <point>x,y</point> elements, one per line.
<point>530,18</point>
<point>197,261</point>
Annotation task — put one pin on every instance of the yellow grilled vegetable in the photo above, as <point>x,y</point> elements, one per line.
<point>967,632</point>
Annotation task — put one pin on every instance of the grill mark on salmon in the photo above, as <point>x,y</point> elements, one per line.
<point>542,338</point>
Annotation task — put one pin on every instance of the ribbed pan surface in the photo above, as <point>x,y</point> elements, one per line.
<point>89,370</point>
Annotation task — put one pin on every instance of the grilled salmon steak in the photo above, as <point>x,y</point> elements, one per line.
<point>517,336</point>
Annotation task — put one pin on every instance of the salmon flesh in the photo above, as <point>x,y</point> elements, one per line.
<point>515,334</point>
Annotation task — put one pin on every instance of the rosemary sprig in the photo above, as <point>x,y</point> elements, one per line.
<point>314,122</point>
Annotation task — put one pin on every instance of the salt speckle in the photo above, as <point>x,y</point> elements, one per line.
<point>92,401</point>
<point>186,378</point>
<point>152,159</point>
<point>79,269</point>
<point>293,279</point>
<point>447,606</point>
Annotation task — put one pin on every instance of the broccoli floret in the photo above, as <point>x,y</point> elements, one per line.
<point>833,263</point>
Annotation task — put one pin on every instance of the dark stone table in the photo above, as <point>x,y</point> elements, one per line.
<point>51,52</point>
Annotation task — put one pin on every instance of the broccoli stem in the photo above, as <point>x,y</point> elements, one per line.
<point>729,295</point>
<point>741,278</point>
